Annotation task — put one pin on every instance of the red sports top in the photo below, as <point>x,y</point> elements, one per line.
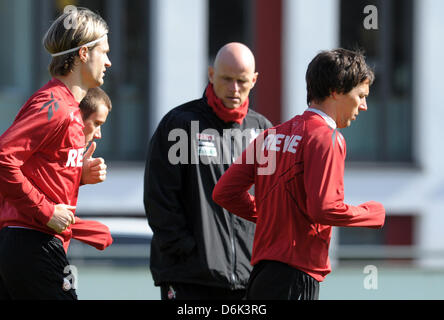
<point>299,193</point>
<point>41,160</point>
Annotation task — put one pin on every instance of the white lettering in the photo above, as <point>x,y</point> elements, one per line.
<point>70,21</point>
<point>273,142</point>
<point>287,143</point>
<point>71,281</point>
<point>190,310</point>
<point>371,281</point>
<point>72,155</point>
<point>371,21</point>
<point>294,143</point>
<point>268,141</point>
<point>279,138</point>
<point>209,147</point>
<point>80,157</point>
<point>75,158</point>
<point>178,152</point>
<point>266,160</point>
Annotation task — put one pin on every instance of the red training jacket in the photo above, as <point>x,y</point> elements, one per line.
<point>41,159</point>
<point>299,193</point>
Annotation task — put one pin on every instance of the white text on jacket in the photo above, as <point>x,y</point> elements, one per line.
<point>275,142</point>
<point>75,158</point>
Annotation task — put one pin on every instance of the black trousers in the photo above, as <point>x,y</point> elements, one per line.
<point>33,266</point>
<point>273,280</point>
<point>186,291</point>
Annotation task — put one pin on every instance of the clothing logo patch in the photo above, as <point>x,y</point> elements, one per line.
<point>171,293</point>
<point>70,281</point>
<point>66,285</point>
<point>206,145</point>
<point>52,105</point>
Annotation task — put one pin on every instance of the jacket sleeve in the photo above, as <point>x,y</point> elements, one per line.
<point>163,185</point>
<point>324,158</point>
<point>91,232</point>
<point>231,191</point>
<point>17,145</point>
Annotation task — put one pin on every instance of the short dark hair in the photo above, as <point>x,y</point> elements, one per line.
<point>338,70</point>
<point>93,97</point>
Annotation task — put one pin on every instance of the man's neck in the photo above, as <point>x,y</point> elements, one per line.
<point>326,106</point>
<point>73,82</point>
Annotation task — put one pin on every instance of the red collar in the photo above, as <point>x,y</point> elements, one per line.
<point>224,113</point>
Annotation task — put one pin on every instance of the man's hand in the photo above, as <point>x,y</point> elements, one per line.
<point>62,218</point>
<point>94,169</point>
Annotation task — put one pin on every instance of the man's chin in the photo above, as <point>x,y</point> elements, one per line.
<point>231,105</point>
<point>98,82</point>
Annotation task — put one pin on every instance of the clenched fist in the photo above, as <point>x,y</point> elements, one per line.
<point>62,218</point>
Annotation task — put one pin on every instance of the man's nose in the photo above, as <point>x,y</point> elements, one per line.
<point>234,86</point>
<point>108,63</point>
<point>363,106</point>
<point>98,134</point>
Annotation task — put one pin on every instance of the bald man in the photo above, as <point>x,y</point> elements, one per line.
<point>199,250</point>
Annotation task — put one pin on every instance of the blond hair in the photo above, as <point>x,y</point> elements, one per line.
<point>71,30</point>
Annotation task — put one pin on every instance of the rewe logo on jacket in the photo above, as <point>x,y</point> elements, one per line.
<point>75,158</point>
<point>281,142</point>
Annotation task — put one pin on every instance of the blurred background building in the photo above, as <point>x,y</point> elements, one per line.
<point>160,50</point>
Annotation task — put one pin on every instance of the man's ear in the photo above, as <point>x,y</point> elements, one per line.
<point>211,74</point>
<point>83,115</point>
<point>256,74</point>
<point>83,54</point>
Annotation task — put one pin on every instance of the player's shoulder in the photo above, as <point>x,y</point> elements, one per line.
<point>316,124</point>
<point>316,130</point>
<point>260,120</point>
<point>182,115</point>
<point>321,136</point>
<point>54,100</point>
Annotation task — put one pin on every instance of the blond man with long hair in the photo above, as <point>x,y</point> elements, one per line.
<point>41,160</point>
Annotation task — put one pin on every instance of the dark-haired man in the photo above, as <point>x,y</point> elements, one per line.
<point>94,109</point>
<point>296,206</point>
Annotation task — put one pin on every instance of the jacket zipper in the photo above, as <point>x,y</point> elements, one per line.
<point>233,247</point>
